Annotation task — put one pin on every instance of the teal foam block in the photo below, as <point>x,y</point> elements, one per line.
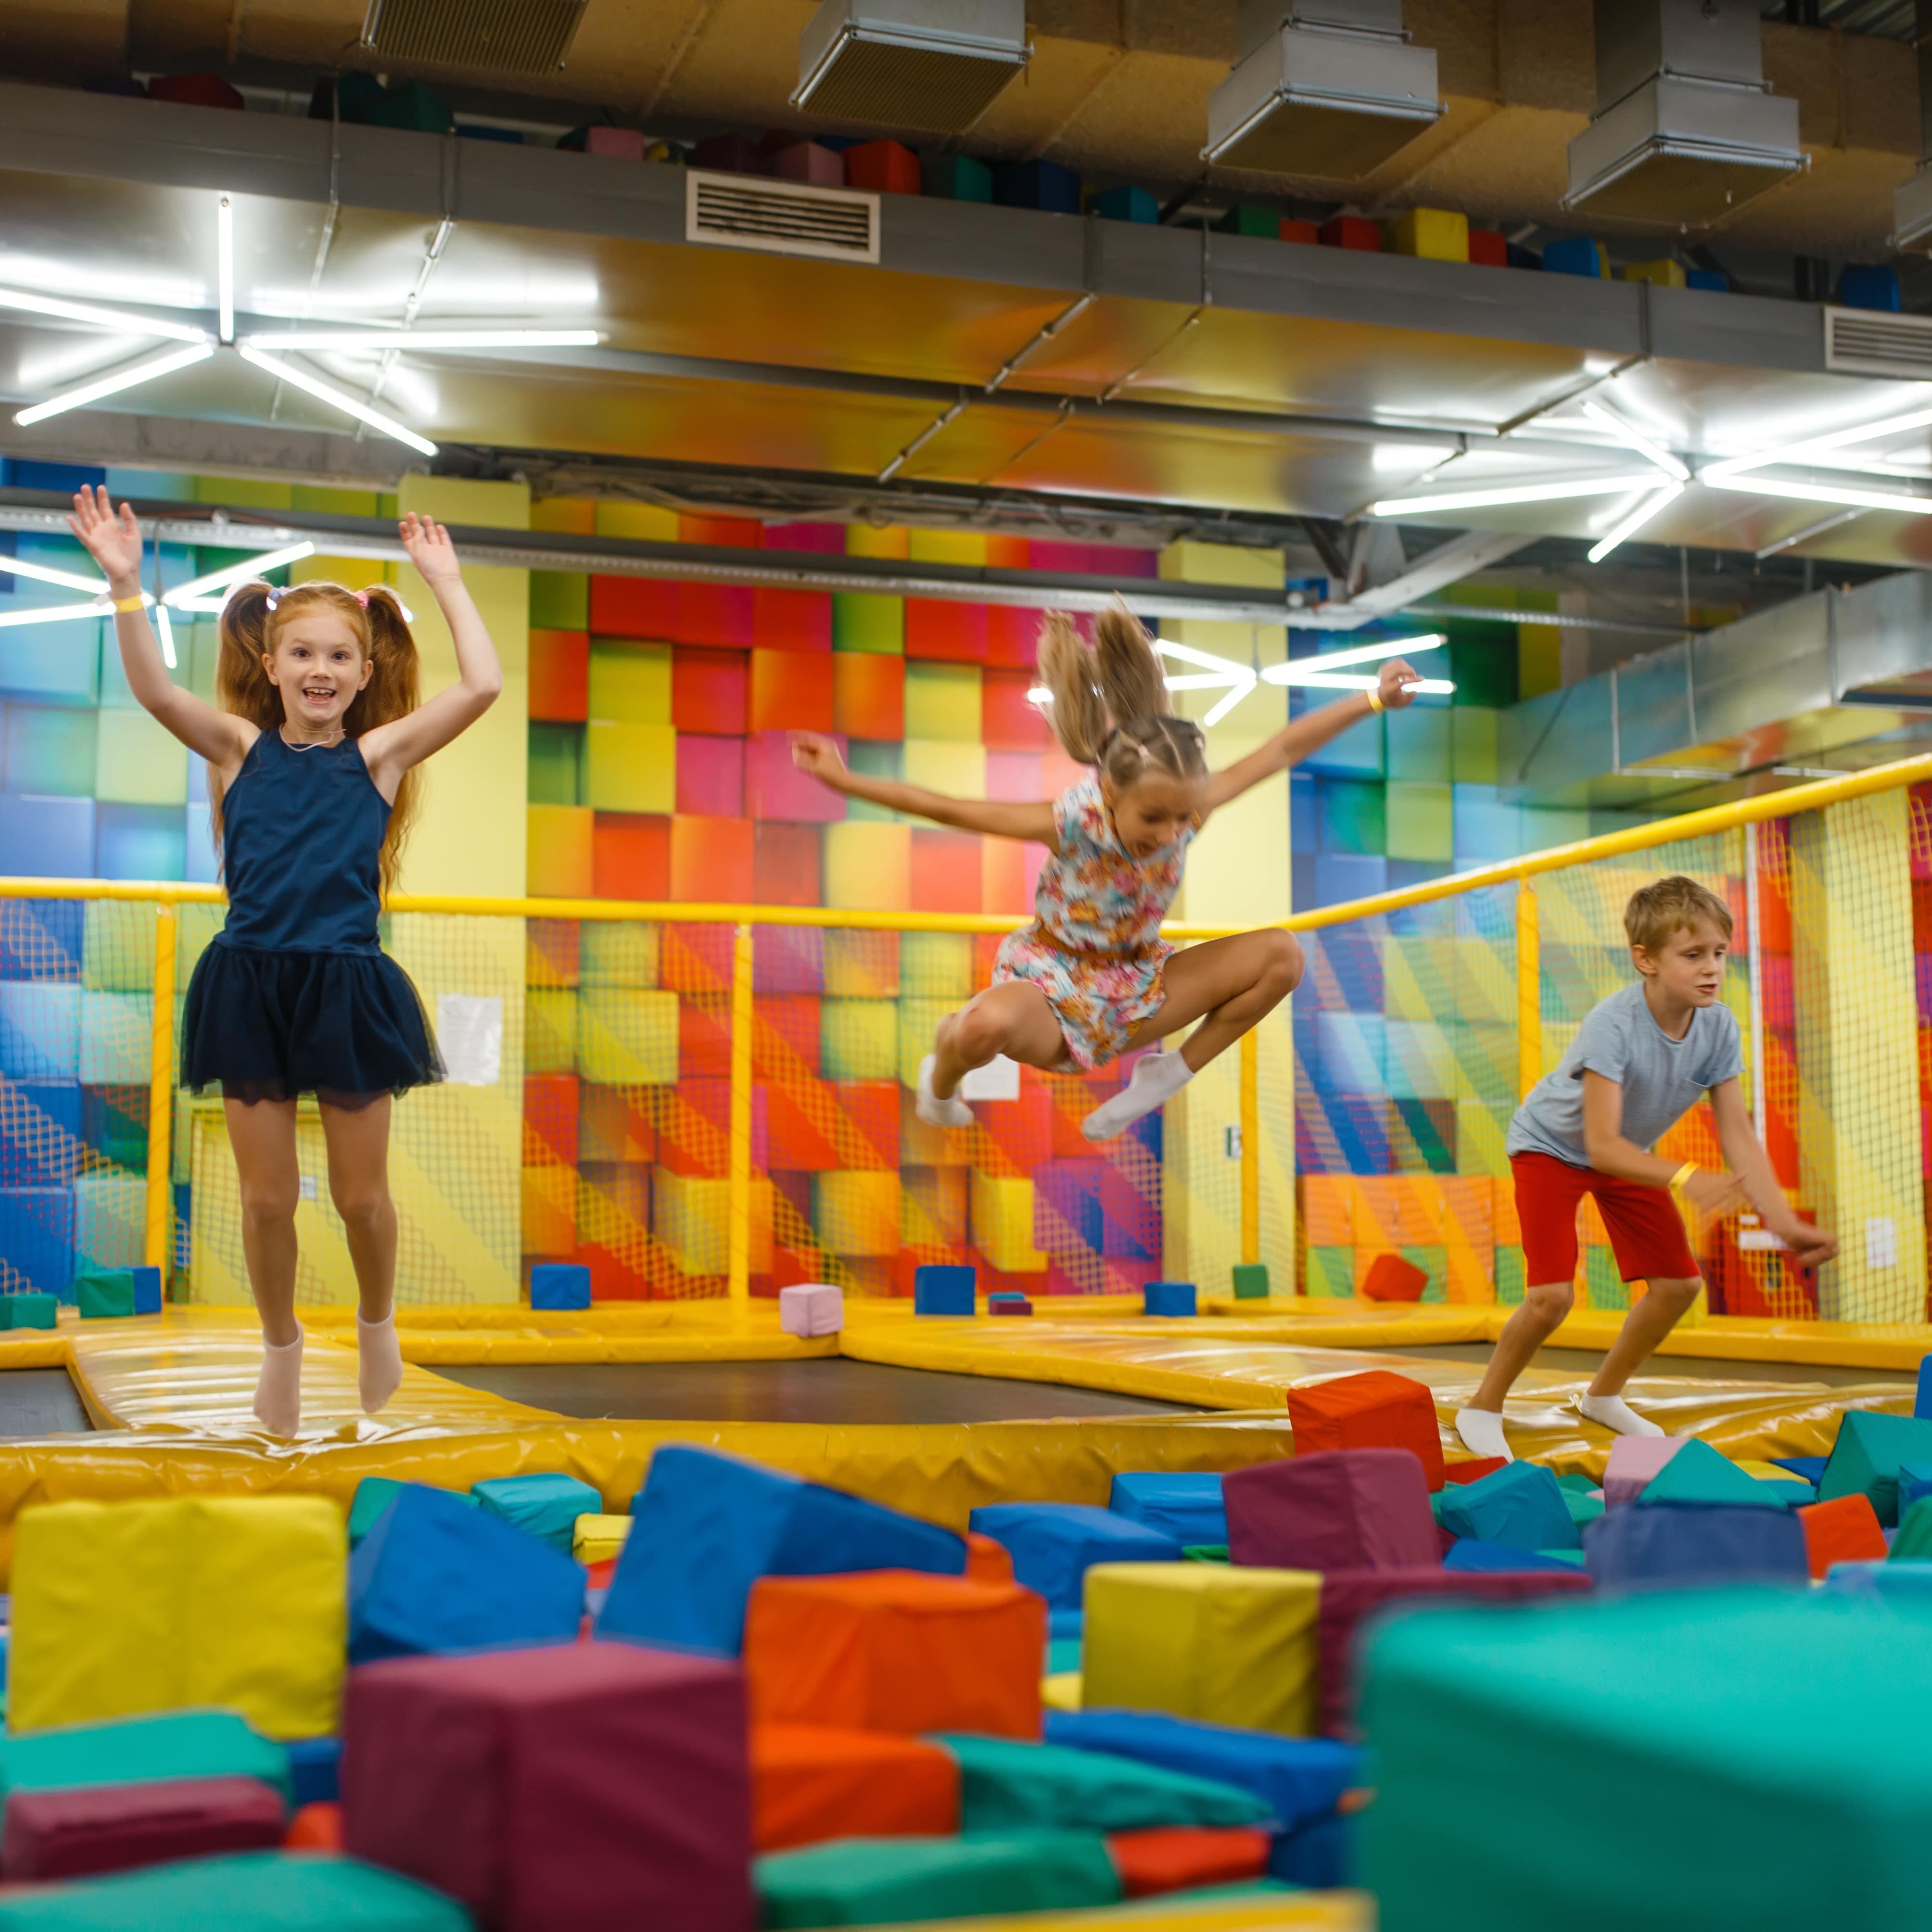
<point>1699,1473</point>
<point>373,1495</point>
<point>1915,1482</point>
<point>1691,1719</point>
<point>256,1891</point>
<point>1519,1505</point>
<point>1868,1454</point>
<point>1912,1542</point>
<point>139,1750</point>
<point>1903,1586</point>
<point>104,1293</point>
<point>1008,1785</point>
<point>883,1881</point>
<point>546,1505</point>
<point>28,1310</point>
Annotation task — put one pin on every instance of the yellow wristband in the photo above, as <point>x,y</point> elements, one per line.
<point>1683,1173</point>
<point>1375,698</point>
<point>137,602</point>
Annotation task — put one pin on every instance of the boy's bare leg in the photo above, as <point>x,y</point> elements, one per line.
<point>1663,1305</point>
<point>1481,1424</point>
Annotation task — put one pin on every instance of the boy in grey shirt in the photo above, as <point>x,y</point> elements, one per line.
<point>1639,1064</point>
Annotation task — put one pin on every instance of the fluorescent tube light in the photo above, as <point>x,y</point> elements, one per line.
<point>1298,670</point>
<point>224,268</point>
<point>1729,466</point>
<point>1433,687</point>
<point>1826,493</point>
<point>1206,660</point>
<point>1637,440</point>
<point>1636,520</point>
<point>382,342</point>
<point>1520,493</point>
<point>42,573</point>
<point>117,320</point>
<point>125,378</point>
<point>191,596</point>
<point>337,398</point>
<point>1228,703</point>
<point>54,614</point>
<point>165,631</point>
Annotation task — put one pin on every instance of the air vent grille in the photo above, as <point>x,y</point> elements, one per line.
<point>1863,342</point>
<point>781,217</point>
<point>890,84</point>
<point>493,36</point>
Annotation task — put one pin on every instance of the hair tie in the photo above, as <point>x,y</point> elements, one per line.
<point>362,598</point>
<point>273,597</point>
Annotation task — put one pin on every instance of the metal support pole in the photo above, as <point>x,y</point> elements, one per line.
<point>1529,991</point>
<point>739,1284</point>
<point>1251,1147</point>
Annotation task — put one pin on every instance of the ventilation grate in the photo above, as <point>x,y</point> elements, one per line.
<point>1865,342</point>
<point>781,217</point>
<point>495,36</point>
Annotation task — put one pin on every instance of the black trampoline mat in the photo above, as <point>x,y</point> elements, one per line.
<point>40,1402</point>
<point>1704,1368</point>
<point>828,1389</point>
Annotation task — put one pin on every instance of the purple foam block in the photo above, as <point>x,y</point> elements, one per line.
<point>1338,1509</point>
<point>1635,1461</point>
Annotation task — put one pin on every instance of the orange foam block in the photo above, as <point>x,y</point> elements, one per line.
<point>987,1562</point>
<point>811,1782</point>
<point>898,1651</point>
<point>1180,1858</point>
<point>1845,1530</point>
<point>1376,1410</point>
<point>1389,1278</point>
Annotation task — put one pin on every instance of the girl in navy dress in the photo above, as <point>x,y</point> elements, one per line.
<point>310,773</point>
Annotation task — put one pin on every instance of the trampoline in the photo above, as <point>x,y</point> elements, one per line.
<point>40,1402</point>
<point>1703,1368</point>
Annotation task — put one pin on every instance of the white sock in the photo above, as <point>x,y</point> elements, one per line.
<point>1157,1077</point>
<point>1613,1412</point>
<point>950,1112</point>
<point>1481,1430</point>
<point>379,1361</point>
<point>278,1392</point>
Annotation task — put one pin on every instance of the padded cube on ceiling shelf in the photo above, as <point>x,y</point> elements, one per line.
<point>883,167</point>
<point>1351,231</point>
<point>1044,185</point>
<point>955,177</point>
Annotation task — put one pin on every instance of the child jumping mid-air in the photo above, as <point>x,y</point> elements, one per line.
<point>310,761</point>
<point>1091,978</point>
<point>1640,1061</point>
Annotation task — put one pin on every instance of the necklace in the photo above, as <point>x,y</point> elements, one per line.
<point>312,745</point>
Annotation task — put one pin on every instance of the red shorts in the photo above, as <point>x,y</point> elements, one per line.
<point>1646,1231</point>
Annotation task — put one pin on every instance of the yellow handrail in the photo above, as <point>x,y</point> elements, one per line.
<point>160,1098</point>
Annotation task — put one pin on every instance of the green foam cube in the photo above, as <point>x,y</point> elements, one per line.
<point>1251,1281</point>
<point>28,1309</point>
<point>1866,1457</point>
<point>141,1750</point>
<point>104,1294</point>
<point>1913,1543</point>
<point>1699,1473</point>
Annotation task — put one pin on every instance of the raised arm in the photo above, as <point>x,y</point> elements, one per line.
<point>1309,732</point>
<point>390,750</point>
<point>114,542</point>
<point>813,753</point>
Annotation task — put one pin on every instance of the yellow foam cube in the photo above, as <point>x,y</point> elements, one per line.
<point>630,684</point>
<point>943,701</point>
<point>1221,1643</point>
<point>121,1609</point>
<point>558,850</point>
<point>549,1211</point>
<point>1437,234</point>
<point>645,522</point>
<point>550,1030</point>
<point>857,1212</point>
<point>919,1020</point>
<point>627,1037</point>
<point>936,965</point>
<point>862,965</point>
<point>1663,271</point>
<point>867,866</point>
<point>617,952</point>
<point>596,1539</point>
<point>630,767</point>
<point>859,1039</point>
<point>1002,1208</point>
<point>942,765</point>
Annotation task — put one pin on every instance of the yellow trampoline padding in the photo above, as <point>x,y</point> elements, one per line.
<point>1209,1641</point>
<point>121,1609</point>
<point>1256,1912</point>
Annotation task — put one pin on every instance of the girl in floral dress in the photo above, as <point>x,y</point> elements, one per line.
<point>1091,979</point>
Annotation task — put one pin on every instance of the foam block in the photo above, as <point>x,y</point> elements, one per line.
<point>940,1288</point>
<point>875,1881</point>
<point>177,1744</point>
<point>1251,1281</point>
<point>1470,1556</point>
<point>585,1785</point>
<point>812,1308</point>
<point>1915,1482</point>
<point>1867,1456</point>
<point>1005,1785</point>
<point>1519,1506</point>
<point>374,1494</point>
<point>1209,1641</point>
<point>1376,1410</point>
<point>545,1505</point>
<point>104,1294</point>
<point>559,1285</point>
<point>1347,1509</point>
<point>597,1538</point>
<point>1054,1545</point>
<point>121,1608</point>
<point>1695,1543</point>
<point>1008,1302</point>
<point>436,1575</point>
<point>27,1308</point>
<point>1913,1543</point>
<point>55,1834</point>
<point>1391,1278</point>
<point>1845,1530</point>
<point>709,1526</point>
<point>1169,1297</point>
<point>1184,1504</point>
<point>1181,1859</point>
<point>1635,1463</point>
<point>896,1650</point>
<point>147,1290</point>
<point>1699,1473</point>
<point>810,1782</point>
<point>314,1764</point>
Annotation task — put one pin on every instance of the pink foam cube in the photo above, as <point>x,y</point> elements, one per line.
<point>776,788</point>
<point>1634,1461</point>
<point>710,776</point>
<point>809,1308</point>
<point>807,161</point>
<point>620,144</point>
<point>1014,776</point>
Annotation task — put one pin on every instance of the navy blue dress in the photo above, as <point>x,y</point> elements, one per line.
<point>295,994</point>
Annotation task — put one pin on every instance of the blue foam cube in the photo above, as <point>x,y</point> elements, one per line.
<point>1709,279</point>
<point>1170,1297</point>
<point>374,1496</point>
<point>315,1771</point>
<point>1869,287</point>
<point>436,1576</point>
<point>1301,1779</point>
<point>1053,1545</point>
<point>1520,1505</point>
<point>1807,1469</point>
<point>1124,204</point>
<point>1472,1555</point>
<point>147,1290</point>
<point>1922,1403</point>
<point>1903,1586</point>
<point>1044,185</point>
<point>943,1288</point>
<point>545,1506</point>
<point>1320,1855</point>
<point>1185,1504</point>
<point>706,1526</point>
<point>557,1285</point>
<point>1577,256</point>
<point>1695,1543</point>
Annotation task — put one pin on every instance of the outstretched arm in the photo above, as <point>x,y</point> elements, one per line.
<point>390,750</point>
<point>114,542</point>
<point>813,753</point>
<point>1809,1246</point>
<point>1309,732</point>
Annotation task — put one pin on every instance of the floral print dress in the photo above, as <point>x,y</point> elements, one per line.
<point>1094,948</point>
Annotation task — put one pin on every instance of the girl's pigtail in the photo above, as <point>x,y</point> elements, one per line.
<point>1079,715</point>
<point>394,690</point>
<point>1129,673</point>
<point>242,685</point>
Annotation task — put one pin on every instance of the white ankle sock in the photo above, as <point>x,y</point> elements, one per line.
<point>278,1392</point>
<point>950,1112</point>
<point>1613,1412</point>
<point>1481,1430</point>
<point>379,1361</point>
<point>1157,1077</point>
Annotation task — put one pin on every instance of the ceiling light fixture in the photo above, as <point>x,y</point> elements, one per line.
<point>1519,492</point>
<point>386,342</point>
<point>165,630</point>
<point>1636,440</point>
<point>341,399</point>
<point>1829,492</point>
<point>1228,703</point>
<point>119,320</point>
<point>1722,471</point>
<point>1311,671</point>
<point>1636,520</point>
<point>192,595</point>
<point>42,573</point>
<point>54,614</point>
<point>224,268</point>
<point>1425,687</point>
<point>126,377</point>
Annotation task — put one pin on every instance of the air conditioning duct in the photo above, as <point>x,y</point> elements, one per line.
<point>1912,200</point>
<point>933,64</point>
<point>1687,127</point>
<point>1326,87</point>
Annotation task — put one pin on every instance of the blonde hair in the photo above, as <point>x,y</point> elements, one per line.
<point>249,620</point>
<point>1110,705</point>
<point>1671,905</point>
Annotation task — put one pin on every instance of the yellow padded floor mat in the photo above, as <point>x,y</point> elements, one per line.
<point>1290,1912</point>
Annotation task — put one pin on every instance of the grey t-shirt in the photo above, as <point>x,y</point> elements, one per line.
<point>1662,1078</point>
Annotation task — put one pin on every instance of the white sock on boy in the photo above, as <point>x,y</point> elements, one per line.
<point>278,1392</point>
<point>1613,1412</point>
<point>951,1112</point>
<point>1157,1077</point>
<point>1481,1430</point>
<point>379,1361</point>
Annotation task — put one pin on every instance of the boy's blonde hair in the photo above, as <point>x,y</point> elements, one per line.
<point>1672,905</point>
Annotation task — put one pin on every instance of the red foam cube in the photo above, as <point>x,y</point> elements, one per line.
<point>1294,230</point>
<point>869,694</point>
<point>711,860</point>
<point>560,676</point>
<point>1181,1857</point>
<point>1845,1530</point>
<point>710,776</point>
<point>792,620</point>
<point>1351,231</point>
<point>791,691</point>
<point>774,787</point>
<point>1013,1138</point>
<point>708,692</point>
<point>883,167</point>
<point>942,631</point>
<point>784,865</point>
<point>945,871</point>
<point>630,856</point>
<point>1391,1278</point>
<point>1375,1410</point>
<point>1346,1509</point>
<point>1489,247</point>
<point>1009,720</point>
